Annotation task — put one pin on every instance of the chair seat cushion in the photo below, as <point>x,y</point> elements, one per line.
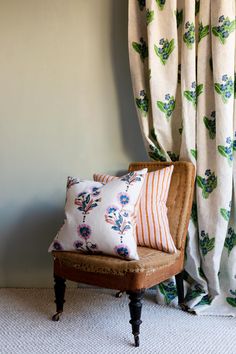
<point>150,261</point>
<point>152,267</point>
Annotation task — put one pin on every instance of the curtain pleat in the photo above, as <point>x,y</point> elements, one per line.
<point>183,64</point>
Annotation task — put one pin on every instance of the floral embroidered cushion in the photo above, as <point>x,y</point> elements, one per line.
<point>152,221</point>
<point>100,217</point>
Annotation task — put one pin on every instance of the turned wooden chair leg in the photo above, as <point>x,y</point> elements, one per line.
<point>180,290</point>
<point>180,287</point>
<point>135,307</point>
<point>59,289</point>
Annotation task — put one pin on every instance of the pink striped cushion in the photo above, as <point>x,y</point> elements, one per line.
<point>152,221</point>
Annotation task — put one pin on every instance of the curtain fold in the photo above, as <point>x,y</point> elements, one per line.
<point>183,67</point>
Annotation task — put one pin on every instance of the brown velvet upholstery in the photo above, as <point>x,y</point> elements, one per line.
<point>154,266</point>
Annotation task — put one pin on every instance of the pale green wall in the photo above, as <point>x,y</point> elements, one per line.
<point>66,108</point>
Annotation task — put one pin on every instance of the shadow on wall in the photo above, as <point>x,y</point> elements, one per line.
<point>132,139</point>
<point>26,237</point>
<point>22,255</point>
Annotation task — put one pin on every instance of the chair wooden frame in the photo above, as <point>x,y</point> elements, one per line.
<point>135,276</point>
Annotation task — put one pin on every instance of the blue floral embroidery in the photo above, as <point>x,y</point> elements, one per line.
<point>189,35</point>
<point>168,106</point>
<point>84,231</point>
<point>112,209</point>
<point>122,251</point>
<point>206,300</point>
<point>227,150</point>
<point>206,243</point>
<point>142,102</point>
<point>165,50</point>
<point>194,292</point>
<point>156,153</point>
<point>87,201</point>
<point>193,94</point>
<point>131,178</point>
<point>169,291</point>
<point>226,88</point>
<point>230,240</point>
<point>118,218</point>
<point>120,221</point>
<point>96,191</point>
<point>207,183</point>
<point>123,198</point>
<point>224,28</point>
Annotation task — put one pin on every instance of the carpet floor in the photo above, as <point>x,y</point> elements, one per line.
<point>94,321</point>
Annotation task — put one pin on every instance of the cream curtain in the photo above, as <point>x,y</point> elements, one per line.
<point>183,64</point>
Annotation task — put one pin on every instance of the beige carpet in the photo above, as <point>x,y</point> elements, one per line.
<point>94,321</point>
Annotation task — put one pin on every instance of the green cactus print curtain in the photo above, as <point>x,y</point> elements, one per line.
<point>183,67</point>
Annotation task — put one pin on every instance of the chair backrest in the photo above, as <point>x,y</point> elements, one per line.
<point>179,202</point>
